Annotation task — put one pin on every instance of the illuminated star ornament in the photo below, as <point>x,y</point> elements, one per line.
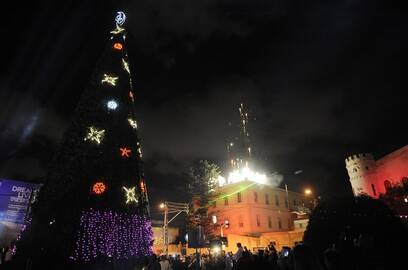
<point>132,123</point>
<point>125,65</point>
<point>95,135</point>
<point>109,79</point>
<point>125,152</point>
<point>130,194</point>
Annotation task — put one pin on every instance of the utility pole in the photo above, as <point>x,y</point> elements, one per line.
<point>170,208</point>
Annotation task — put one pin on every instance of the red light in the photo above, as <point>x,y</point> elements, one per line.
<point>117,46</point>
<point>99,188</point>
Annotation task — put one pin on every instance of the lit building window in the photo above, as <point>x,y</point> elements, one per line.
<point>269,222</point>
<point>256,196</point>
<point>266,199</point>
<point>239,197</point>
<point>276,200</point>
<point>226,201</point>
<point>258,221</point>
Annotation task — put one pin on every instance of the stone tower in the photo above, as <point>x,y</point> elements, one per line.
<point>361,168</point>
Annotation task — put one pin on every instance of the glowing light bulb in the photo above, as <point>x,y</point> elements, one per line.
<point>112,105</point>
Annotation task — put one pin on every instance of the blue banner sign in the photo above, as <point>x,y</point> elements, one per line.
<point>15,198</point>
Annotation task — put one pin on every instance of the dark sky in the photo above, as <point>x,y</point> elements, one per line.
<point>322,80</point>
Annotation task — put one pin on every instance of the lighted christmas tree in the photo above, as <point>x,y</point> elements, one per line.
<point>93,207</point>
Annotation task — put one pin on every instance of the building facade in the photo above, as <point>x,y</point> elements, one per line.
<point>262,212</point>
<point>373,177</point>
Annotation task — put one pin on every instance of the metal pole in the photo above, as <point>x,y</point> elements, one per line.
<point>165,223</point>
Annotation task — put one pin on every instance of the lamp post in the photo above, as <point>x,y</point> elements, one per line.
<point>171,208</point>
<point>309,193</point>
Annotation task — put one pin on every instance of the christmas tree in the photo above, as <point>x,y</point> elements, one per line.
<point>93,208</point>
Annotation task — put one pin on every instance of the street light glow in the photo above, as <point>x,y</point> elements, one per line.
<point>308,191</point>
<point>162,205</point>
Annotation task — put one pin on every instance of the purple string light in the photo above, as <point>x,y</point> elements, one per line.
<point>113,235</point>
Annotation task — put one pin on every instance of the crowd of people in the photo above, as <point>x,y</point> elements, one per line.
<point>300,257</point>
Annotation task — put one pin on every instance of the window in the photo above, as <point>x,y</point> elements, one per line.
<point>387,185</point>
<point>266,199</point>
<point>225,200</point>
<point>373,187</point>
<point>256,196</point>
<point>258,221</point>
<point>269,222</point>
<point>294,202</point>
<point>276,200</point>
<point>239,197</point>
<point>279,223</point>
<point>286,203</point>
<point>240,222</point>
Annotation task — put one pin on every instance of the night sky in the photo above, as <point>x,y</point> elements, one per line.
<point>322,80</point>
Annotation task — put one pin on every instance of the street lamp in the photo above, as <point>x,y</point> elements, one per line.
<point>170,208</point>
<point>308,191</point>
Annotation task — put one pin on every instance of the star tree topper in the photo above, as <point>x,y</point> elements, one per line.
<point>130,194</point>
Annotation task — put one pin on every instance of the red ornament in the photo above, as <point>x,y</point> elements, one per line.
<point>125,152</point>
<point>142,186</point>
<point>99,188</point>
<point>117,46</point>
